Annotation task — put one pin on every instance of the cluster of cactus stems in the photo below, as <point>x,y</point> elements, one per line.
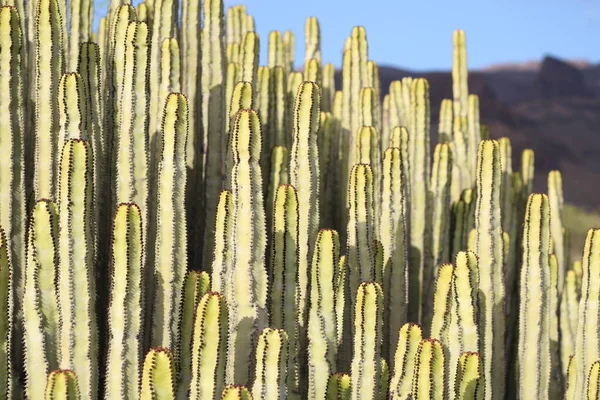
<point>180,222</point>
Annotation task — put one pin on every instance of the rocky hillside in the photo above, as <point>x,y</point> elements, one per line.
<point>552,107</point>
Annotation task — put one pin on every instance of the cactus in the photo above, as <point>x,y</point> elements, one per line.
<point>126,306</point>
<point>40,307</point>
<point>208,348</point>
<point>339,387</point>
<point>78,336</point>
<point>271,365</point>
<point>569,304</point>
<point>170,254</point>
<point>555,196</point>
<point>6,318</point>
<point>248,277</point>
<point>534,319</point>
<point>592,390</point>
<point>587,339</point>
<point>368,327</point>
<point>236,392</point>
<point>222,260</point>
<point>488,245</point>
<point>322,323</point>
<point>158,375</point>
<point>429,381</point>
<point>196,285</point>
<point>468,380</point>
<point>62,384</point>
<point>394,239</point>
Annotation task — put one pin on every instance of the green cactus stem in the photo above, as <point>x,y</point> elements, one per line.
<point>62,384</point>
<point>429,380</point>
<point>271,365</point>
<point>469,384</point>
<point>158,375</point>
<point>236,392</point>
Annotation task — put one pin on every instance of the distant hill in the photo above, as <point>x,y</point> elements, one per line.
<point>552,107</point>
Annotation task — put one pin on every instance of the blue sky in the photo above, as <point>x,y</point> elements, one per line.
<point>417,34</point>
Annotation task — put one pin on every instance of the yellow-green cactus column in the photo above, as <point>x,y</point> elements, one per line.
<point>81,16</point>
<point>271,365</point>
<point>534,320</point>
<point>62,384</point>
<point>12,147</point>
<point>569,307</point>
<point>209,145</point>
<point>322,323</point>
<point>429,380</point>
<point>158,375</point>
<point>418,154</point>
<point>196,285</point>
<point>587,341</point>
<point>393,234</point>
<point>48,67</point>
<point>469,384</point>
<point>223,254</point>
<point>409,338</point>
<point>555,195</point>
<point>78,335</point>
<point>247,279</point>
<point>40,306</point>
<point>305,177</point>
<point>489,248</point>
<point>339,387</point>
<point>126,306</point>
<point>208,348</point>
<point>368,329</point>
<point>236,392</point>
<point>6,319</point>
<point>170,260</point>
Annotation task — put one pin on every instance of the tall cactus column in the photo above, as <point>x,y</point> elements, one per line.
<point>489,248</point>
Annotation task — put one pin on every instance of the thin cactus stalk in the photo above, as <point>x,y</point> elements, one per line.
<point>6,319</point>
<point>361,260</point>
<point>460,89</point>
<point>445,123</point>
<point>367,152</point>
<point>208,348</point>
<point>592,390</point>
<point>328,87</point>
<point>473,132</point>
<point>278,122</point>
<point>304,176</point>
<point>527,171</point>
<point>429,380</point>
<point>469,384</point>
<point>196,285</point>
<point>236,392</point>
<point>339,387</point>
<point>170,68</point>
<point>534,321</point>
<point>322,323</point>
<point>278,176</point>
<point>62,384</point>
<point>312,40</point>
<point>587,341</point>
<point>442,303</point>
<point>48,54</point>
<point>393,233</point>
<point>368,329</point>
<point>249,52</point>
<point>418,154</point>
<point>158,375</point>
<point>78,332</point>
<point>555,195</point>
<point>170,256</point>
<point>284,270</point>
<point>223,254</point>
<point>271,365</point>
<point>80,28</point>
<point>327,141</point>
<point>439,250</point>
<point>248,276</point>
<point>555,384</point>
<point>12,147</point>
<point>40,307</point>
<point>126,305</point>
<point>210,144</point>
<point>313,71</point>
<point>72,109</point>
<point>275,54</point>
<point>463,325</point>
<point>289,48</point>
<point>489,246</point>
<point>242,97</point>
<point>569,305</point>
